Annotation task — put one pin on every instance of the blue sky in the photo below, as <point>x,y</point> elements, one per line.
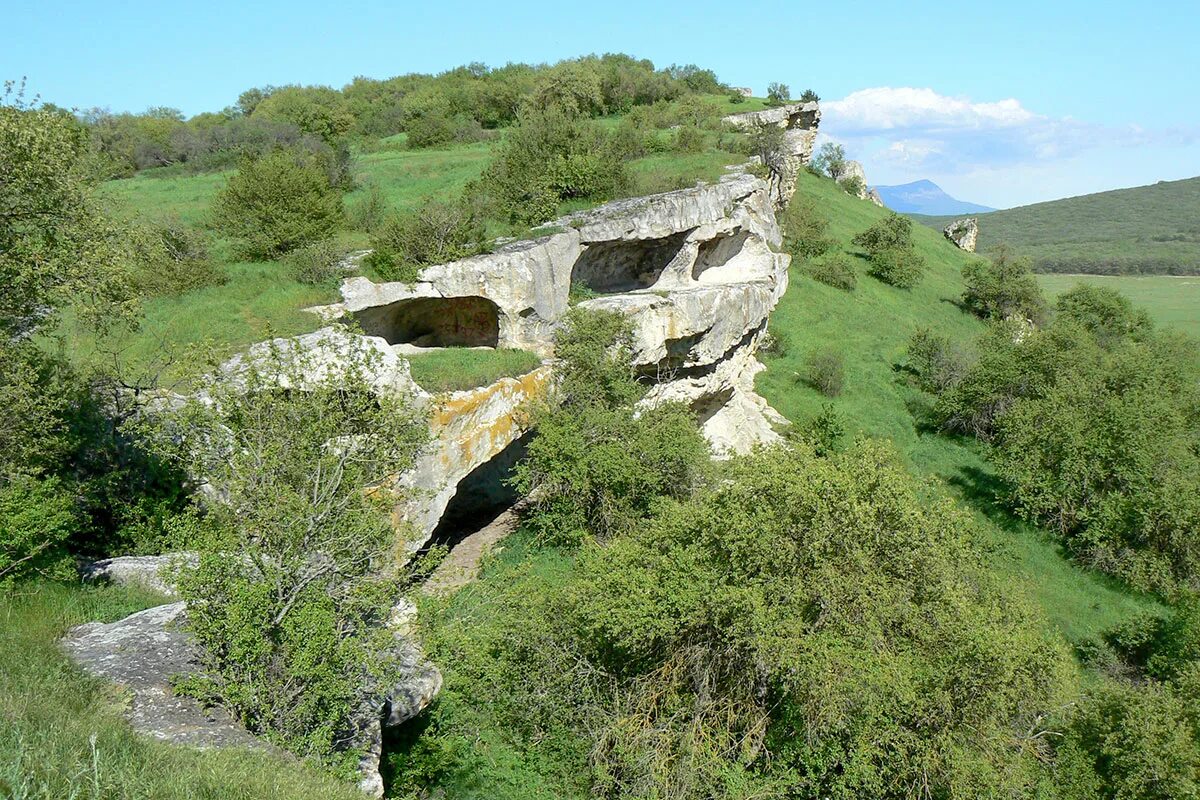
<point>1000,103</point>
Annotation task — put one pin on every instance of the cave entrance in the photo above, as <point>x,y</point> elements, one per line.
<point>469,321</point>
<point>622,266</point>
<point>718,252</point>
<point>481,496</point>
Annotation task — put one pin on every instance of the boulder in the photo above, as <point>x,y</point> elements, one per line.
<point>143,652</point>
<point>963,232</point>
<point>140,654</point>
<point>145,572</point>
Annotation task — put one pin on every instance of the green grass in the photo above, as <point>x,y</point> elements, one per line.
<point>50,712</point>
<point>1144,230</point>
<point>871,326</point>
<point>1171,300</point>
<point>455,368</point>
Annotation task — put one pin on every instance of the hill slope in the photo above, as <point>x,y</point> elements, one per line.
<point>871,326</point>
<point>1144,230</point>
<point>925,197</point>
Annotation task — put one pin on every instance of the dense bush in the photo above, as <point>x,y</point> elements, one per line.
<point>595,467</point>
<point>778,93</point>
<point>550,156</point>
<point>369,212</point>
<point>175,260</point>
<point>894,258</point>
<point>1095,431</point>
<point>433,233</point>
<point>278,203</point>
<point>318,264</point>
<point>812,627</point>
<point>295,570</point>
<point>1003,286</point>
<point>827,371</point>
<point>806,228</point>
<point>37,519</point>
<point>836,270</point>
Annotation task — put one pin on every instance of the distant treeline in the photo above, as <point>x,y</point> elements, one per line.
<point>1117,266</point>
<point>464,104</point>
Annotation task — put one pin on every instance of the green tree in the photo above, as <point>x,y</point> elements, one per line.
<point>830,160</point>
<point>318,110</point>
<point>433,233</point>
<point>1002,287</point>
<point>277,203</point>
<point>57,246</point>
<point>778,93</point>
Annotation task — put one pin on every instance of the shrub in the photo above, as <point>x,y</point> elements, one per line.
<point>935,360</point>
<point>776,343</point>
<point>827,371</point>
<point>37,517</point>
<point>901,268</point>
<point>595,468</point>
<point>317,264</point>
<point>893,232</point>
<point>294,575</point>
<point>369,212</point>
<point>550,156</point>
<point>853,186</point>
<point>1003,287</point>
<point>778,93</point>
<point>811,622</point>
<point>737,98</point>
<point>809,96</point>
<point>689,139</point>
<point>836,270</point>
<point>176,261</point>
<point>806,228</point>
<point>433,233</point>
<point>277,203</point>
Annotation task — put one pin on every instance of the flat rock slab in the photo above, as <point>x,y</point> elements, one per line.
<point>140,654</point>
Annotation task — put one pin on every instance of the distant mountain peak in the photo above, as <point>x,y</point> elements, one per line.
<point>925,197</point>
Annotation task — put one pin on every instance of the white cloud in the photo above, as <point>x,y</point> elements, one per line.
<point>904,133</point>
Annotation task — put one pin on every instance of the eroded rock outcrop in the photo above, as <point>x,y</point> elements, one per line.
<point>963,232</point>
<point>698,272</point>
<point>800,122</point>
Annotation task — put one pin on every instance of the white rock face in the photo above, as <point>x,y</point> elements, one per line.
<point>963,232</point>
<point>145,651</point>
<point>800,122</point>
<point>146,572</point>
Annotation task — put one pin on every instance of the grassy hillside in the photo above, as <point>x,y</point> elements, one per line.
<point>871,327</point>
<point>1171,300</point>
<point>1145,230</point>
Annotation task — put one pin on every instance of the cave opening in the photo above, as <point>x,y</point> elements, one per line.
<point>623,266</point>
<point>482,496</point>
<point>718,252</point>
<point>469,321</point>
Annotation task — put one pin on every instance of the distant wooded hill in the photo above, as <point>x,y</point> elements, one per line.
<point>1147,230</point>
<point>925,197</point>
